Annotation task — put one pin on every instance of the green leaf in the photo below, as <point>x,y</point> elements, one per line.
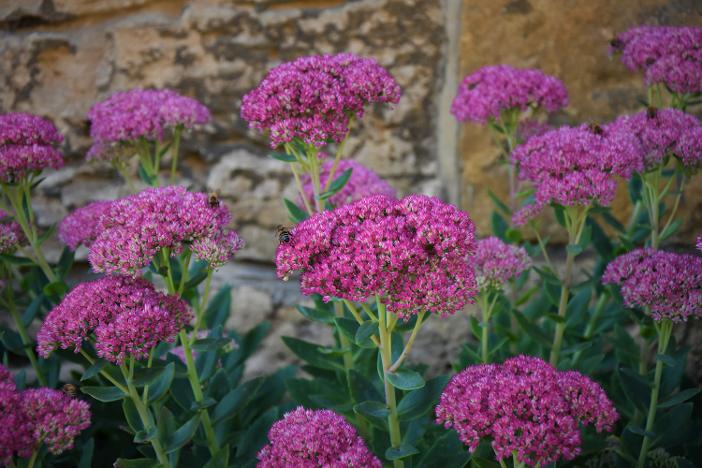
<point>15,260</point>
<point>161,385</point>
<point>65,262</point>
<point>346,326</point>
<point>132,415</point>
<point>680,397</point>
<point>670,230</point>
<point>514,235</point>
<point>204,404</point>
<point>235,400</point>
<point>135,463</point>
<point>294,212</point>
<point>364,333</point>
<point>447,450</point>
<point>288,158</point>
<point>574,249</point>
<point>310,353</point>
<point>498,203</point>
<point>372,409</point>
<point>147,376</point>
<point>532,330</point>
<point>144,436</point>
<point>218,309</point>
<point>479,462</point>
<point>104,394</point>
<point>210,344</point>
<point>86,454</point>
<point>219,459</point>
<point>337,184</point>
<point>403,451</point>
<point>406,379</point>
<point>418,402</point>
<point>32,310</point>
<point>93,370</point>
<point>316,314</point>
<point>667,360</point>
<point>55,289</point>
<point>499,225</point>
<point>183,435</point>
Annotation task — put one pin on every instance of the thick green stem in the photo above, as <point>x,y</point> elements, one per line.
<point>197,392</point>
<point>651,198</point>
<point>145,415</point>
<point>486,308</point>
<point>390,401</point>
<point>592,323</point>
<point>19,198</point>
<point>337,158</point>
<point>298,183</point>
<point>33,459</point>
<point>177,133</point>
<point>184,272</point>
<point>575,223</point>
<point>203,302</point>
<point>410,342</point>
<point>665,329</point>
<point>26,340</point>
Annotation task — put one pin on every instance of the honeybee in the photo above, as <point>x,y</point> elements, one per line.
<point>651,112</point>
<point>596,129</point>
<point>70,389</point>
<point>213,200</point>
<point>284,235</point>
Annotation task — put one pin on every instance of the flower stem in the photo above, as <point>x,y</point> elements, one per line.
<point>665,329</point>
<point>33,459</point>
<point>197,392</point>
<point>410,342</point>
<point>386,357</point>
<point>26,341</point>
<point>592,323</point>
<point>19,199</point>
<point>575,223</point>
<point>145,416</point>
<point>203,302</point>
<point>177,133</point>
<point>184,272</point>
<point>486,310</point>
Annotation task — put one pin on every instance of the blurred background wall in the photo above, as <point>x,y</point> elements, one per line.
<point>57,57</point>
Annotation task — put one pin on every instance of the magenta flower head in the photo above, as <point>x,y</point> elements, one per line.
<point>11,235</point>
<point>667,55</point>
<point>56,419</point>
<point>133,229</point>
<point>665,284</point>
<point>524,406</point>
<point>312,99</point>
<point>82,226</point>
<point>127,317</point>
<point>488,91</point>
<point>574,166</point>
<point>27,146</point>
<point>362,183</point>
<point>149,114</point>
<point>497,262</point>
<point>312,438</point>
<point>415,254</point>
<point>661,132</point>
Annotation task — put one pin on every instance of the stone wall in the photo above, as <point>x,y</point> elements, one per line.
<point>57,57</point>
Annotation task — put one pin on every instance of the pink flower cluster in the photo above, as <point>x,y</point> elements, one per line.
<point>313,98</point>
<point>525,406</point>
<point>82,226</point>
<point>27,145</point>
<point>34,416</point>
<point>574,166</point>
<point>128,317</point>
<point>488,91</point>
<point>133,229</point>
<point>661,132</point>
<point>414,253</point>
<point>362,183</point>
<point>667,284</point>
<point>128,116</point>
<point>667,55</point>
<point>312,438</point>
<point>497,262</point>
<point>11,235</point>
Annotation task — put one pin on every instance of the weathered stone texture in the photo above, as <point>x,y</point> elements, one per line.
<point>567,39</point>
<point>57,57</point>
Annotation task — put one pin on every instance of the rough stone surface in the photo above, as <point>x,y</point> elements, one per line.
<point>57,57</point>
<point>568,40</point>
